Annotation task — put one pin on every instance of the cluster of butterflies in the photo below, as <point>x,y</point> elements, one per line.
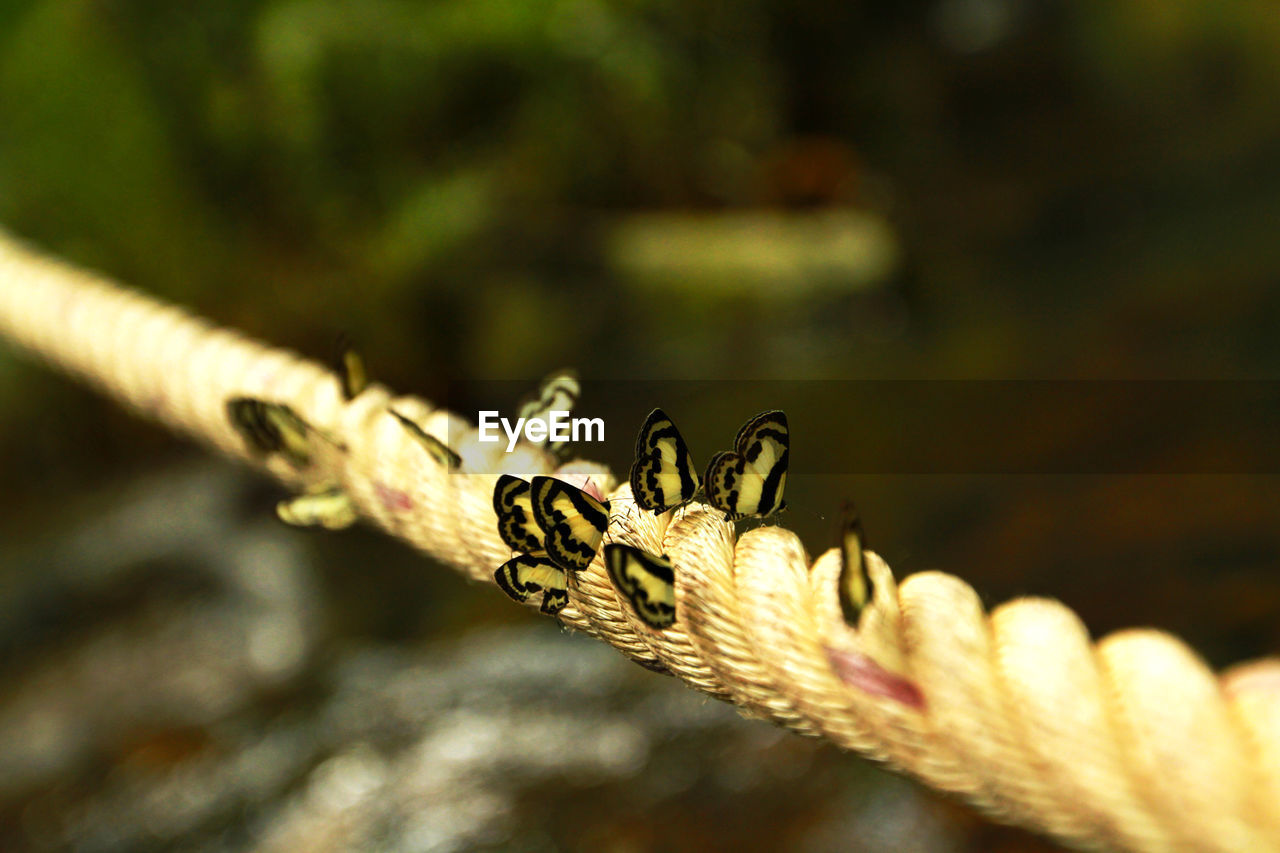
<point>275,428</point>
<point>557,529</point>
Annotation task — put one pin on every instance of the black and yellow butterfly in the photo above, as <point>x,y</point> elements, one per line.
<point>662,476</point>
<point>275,428</point>
<point>572,521</point>
<point>531,571</point>
<point>742,482</point>
<point>525,574</point>
<point>354,379</point>
<point>558,392</point>
<point>647,582</point>
<point>352,375</point>
<point>443,455</point>
<point>326,506</point>
<point>749,480</point>
<point>513,502</point>
<point>855,586</point>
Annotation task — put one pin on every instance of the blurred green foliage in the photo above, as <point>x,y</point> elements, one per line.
<point>293,166</point>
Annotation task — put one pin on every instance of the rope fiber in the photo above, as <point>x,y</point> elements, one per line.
<point>1130,743</point>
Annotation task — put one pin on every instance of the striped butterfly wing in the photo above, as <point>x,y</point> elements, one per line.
<point>524,574</point>
<point>329,507</point>
<point>435,448</point>
<point>353,376</point>
<point>749,480</point>
<point>573,522</point>
<point>513,502</point>
<point>855,586</point>
<point>662,476</point>
<point>272,428</point>
<point>646,581</point>
<point>558,392</point>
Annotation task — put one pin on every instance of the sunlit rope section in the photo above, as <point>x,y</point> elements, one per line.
<point>1129,743</point>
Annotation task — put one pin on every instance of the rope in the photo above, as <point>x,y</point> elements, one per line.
<point>1130,743</point>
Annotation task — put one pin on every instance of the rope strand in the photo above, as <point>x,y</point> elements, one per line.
<point>1131,743</point>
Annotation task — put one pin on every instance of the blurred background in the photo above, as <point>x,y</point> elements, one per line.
<point>472,190</point>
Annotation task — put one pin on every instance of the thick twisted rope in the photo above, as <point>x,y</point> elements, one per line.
<point>1130,743</point>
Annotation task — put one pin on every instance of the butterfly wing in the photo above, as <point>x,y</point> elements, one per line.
<point>722,482</point>
<point>558,392</point>
<point>523,575</point>
<point>513,502</point>
<point>765,443</point>
<point>662,476</point>
<point>573,522</point>
<point>272,428</point>
<point>646,581</point>
<point>855,586</point>
<point>436,449</point>
<point>330,508</point>
<point>353,375</point>
<point>555,598</point>
<point>750,479</point>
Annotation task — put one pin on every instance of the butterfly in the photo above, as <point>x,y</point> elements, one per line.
<point>855,586</point>
<point>324,506</point>
<point>531,571</point>
<point>354,379</point>
<point>352,375</point>
<point>647,582</point>
<point>749,479</point>
<point>558,392</point>
<point>525,574</point>
<point>513,502</point>
<point>662,476</point>
<point>275,428</point>
<point>443,455</point>
<point>572,521</point>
